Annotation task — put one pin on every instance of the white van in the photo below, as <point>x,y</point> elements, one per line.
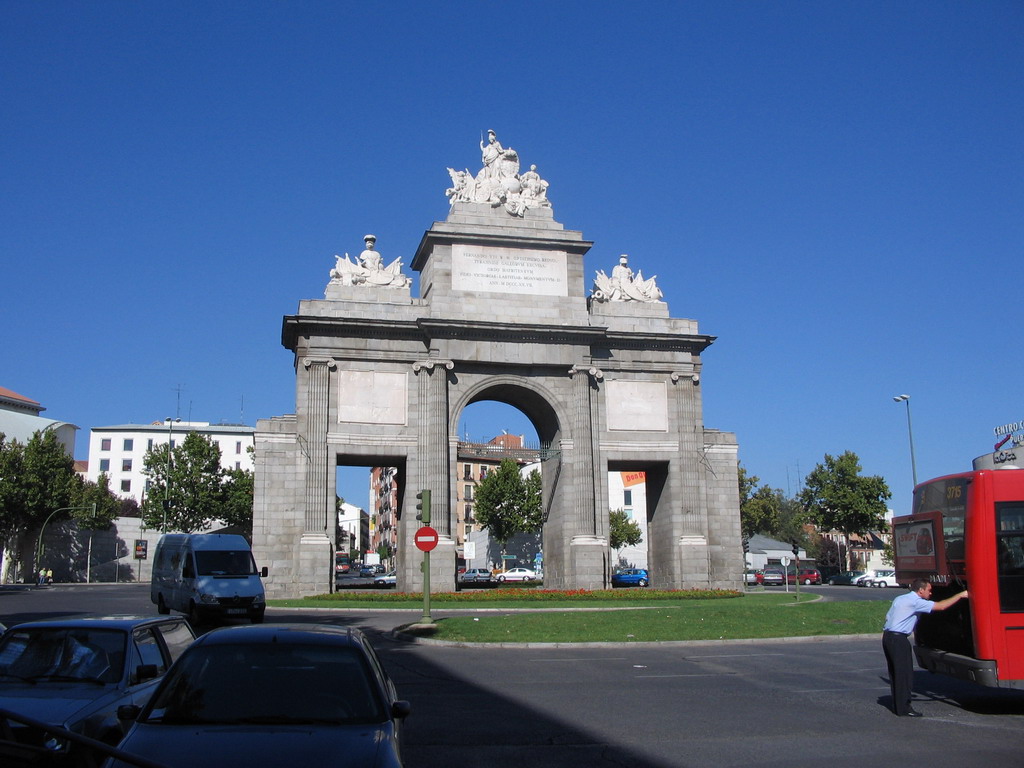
<point>208,576</point>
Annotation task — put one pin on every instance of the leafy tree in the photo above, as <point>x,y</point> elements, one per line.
<point>623,531</point>
<point>191,483</point>
<point>238,496</point>
<point>108,506</point>
<point>838,498</point>
<point>506,504</point>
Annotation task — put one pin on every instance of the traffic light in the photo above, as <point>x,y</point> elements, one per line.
<point>796,549</point>
<point>746,546</point>
<point>423,506</point>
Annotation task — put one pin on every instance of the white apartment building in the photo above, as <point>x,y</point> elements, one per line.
<point>119,451</point>
<point>628,491</point>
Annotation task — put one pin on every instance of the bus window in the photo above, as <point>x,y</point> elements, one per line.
<point>1010,550</point>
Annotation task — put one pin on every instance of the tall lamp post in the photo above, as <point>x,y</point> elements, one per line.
<point>39,543</point>
<point>167,480</point>
<point>910,433</point>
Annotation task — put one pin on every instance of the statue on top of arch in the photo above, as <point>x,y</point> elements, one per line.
<point>369,269</point>
<point>499,183</point>
<point>623,285</point>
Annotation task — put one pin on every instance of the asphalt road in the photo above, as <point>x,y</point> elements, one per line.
<point>762,704</point>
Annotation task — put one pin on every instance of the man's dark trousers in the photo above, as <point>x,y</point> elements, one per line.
<point>900,660</point>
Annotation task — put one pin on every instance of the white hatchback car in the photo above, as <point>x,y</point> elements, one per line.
<point>518,574</point>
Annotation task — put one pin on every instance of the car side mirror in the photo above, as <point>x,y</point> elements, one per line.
<point>264,571</point>
<point>145,672</point>
<point>401,709</point>
<point>128,711</point>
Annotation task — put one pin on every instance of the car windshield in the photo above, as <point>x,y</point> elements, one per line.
<point>274,683</point>
<point>225,563</point>
<point>63,654</point>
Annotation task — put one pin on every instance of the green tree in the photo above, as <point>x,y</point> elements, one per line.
<point>506,504</point>
<point>238,496</point>
<point>623,531</point>
<point>108,506</point>
<point>192,483</point>
<point>838,498</point>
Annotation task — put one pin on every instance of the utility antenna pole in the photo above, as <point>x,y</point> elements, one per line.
<point>177,408</point>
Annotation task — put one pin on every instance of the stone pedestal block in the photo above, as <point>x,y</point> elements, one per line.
<point>589,558</point>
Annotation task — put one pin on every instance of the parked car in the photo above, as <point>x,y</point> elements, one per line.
<point>275,696</point>
<point>868,579</point>
<point>752,577</point>
<point>631,577</point>
<point>772,576</point>
<point>805,576</point>
<point>518,574</point>
<point>369,571</point>
<point>75,673</point>
<point>884,579</point>
<point>388,580</point>
<point>473,575</point>
<point>847,578</point>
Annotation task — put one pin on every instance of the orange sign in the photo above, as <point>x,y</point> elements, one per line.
<point>632,478</point>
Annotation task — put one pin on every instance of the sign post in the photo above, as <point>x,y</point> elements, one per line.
<point>426,539</point>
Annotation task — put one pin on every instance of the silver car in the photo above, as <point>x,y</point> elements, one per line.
<point>75,673</point>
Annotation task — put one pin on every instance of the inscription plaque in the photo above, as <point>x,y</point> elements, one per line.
<point>509,270</point>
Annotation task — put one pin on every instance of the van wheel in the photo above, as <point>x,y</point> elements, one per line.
<point>161,606</point>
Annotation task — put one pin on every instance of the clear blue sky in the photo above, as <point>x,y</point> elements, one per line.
<point>835,190</point>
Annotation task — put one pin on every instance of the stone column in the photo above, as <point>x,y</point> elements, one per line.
<point>315,569</point>
<point>318,387</point>
<point>693,567</point>
<point>433,469</point>
<point>588,552</point>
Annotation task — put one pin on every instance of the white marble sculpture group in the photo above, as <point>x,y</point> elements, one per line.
<point>369,269</point>
<point>499,183</point>
<point>623,285</point>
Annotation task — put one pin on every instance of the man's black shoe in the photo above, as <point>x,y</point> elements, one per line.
<point>912,713</point>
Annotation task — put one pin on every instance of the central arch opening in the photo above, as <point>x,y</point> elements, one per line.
<point>500,423</point>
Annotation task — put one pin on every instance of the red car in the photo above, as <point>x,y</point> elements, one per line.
<point>806,576</point>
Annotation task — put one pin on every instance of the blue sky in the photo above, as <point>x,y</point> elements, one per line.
<point>833,189</point>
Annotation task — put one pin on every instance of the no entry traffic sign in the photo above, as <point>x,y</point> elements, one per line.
<point>426,538</point>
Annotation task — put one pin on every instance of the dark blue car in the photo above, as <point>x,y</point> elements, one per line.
<point>631,577</point>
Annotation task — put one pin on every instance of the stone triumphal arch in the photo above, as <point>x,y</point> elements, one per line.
<point>609,380</point>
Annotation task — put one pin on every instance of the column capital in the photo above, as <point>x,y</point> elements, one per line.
<point>429,365</point>
<point>691,377</point>
<point>595,373</point>
<point>308,362</point>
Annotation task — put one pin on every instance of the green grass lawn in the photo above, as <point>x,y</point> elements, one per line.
<point>651,616</point>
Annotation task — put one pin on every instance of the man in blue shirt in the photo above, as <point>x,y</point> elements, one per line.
<point>899,623</point>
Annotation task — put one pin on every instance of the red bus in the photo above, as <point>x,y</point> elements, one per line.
<point>967,532</point>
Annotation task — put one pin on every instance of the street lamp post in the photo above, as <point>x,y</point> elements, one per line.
<point>910,434</point>
<point>167,480</point>
<point>42,528</point>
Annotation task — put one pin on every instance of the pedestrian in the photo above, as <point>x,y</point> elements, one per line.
<point>49,575</point>
<point>42,577</point>
<point>899,623</point>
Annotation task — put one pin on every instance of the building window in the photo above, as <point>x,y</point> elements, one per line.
<point>467,532</point>
<point>238,447</point>
<point>468,493</point>
<point>126,486</point>
<point>467,471</point>
<point>238,465</point>
<point>483,472</point>
<point>104,465</point>
<point>126,465</point>
<point>105,444</point>
<point>627,498</point>
<point>469,512</point>
<point>129,444</point>
<point>149,444</point>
